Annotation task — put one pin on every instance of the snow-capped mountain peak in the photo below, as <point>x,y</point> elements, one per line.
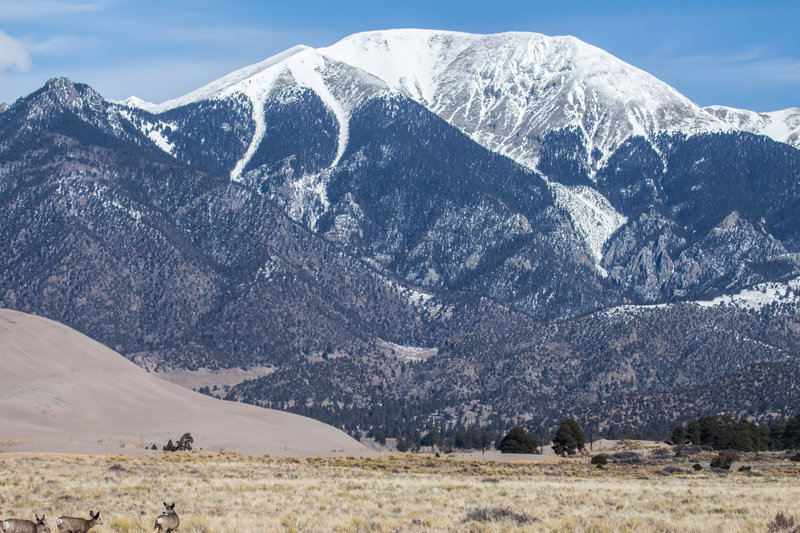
<point>504,90</point>
<point>782,126</point>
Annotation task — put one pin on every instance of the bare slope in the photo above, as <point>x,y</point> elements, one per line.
<point>59,387</point>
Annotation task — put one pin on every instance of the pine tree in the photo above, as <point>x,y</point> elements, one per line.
<point>569,438</point>
<point>678,435</point>
<point>694,432</point>
<point>431,438</point>
<point>791,433</point>
<point>185,442</point>
<point>518,440</point>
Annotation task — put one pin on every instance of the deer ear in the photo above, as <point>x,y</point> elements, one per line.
<point>165,504</point>
<point>37,517</point>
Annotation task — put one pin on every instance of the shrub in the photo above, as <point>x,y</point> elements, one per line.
<point>627,458</point>
<point>697,467</point>
<point>495,514</point>
<point>600,460</point>
<point>379,436</point>
<point>624,456</point>
<point>123,525</point>
<point>692,449</point>
<point>782,522</point>
<point>795,457</point>
<point>724,460</point>
<point>745,468</point>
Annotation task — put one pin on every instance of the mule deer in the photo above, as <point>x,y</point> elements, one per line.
<point>69,524</point>
<point>15,525</point>
<point>168,521</point>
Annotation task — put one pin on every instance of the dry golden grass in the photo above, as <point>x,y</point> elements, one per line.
<point>219,492</point>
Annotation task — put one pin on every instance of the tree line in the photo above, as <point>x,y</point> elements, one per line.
<point>725,433</point>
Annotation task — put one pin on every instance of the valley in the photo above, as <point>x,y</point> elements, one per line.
<point>228,492</point>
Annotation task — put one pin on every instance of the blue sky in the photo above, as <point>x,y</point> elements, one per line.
<point>741,54</point>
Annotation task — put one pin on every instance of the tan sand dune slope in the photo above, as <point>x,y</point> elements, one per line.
<point>62,391</point>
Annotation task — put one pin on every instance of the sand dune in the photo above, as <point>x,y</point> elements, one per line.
<point>62,391</point>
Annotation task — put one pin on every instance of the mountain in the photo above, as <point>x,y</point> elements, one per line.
<point>418,219</point>
<point>783,126</point>
<point>629,368</point>
<point>594,129</point>
<point>62,391</point>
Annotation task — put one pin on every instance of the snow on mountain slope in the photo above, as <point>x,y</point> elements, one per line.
<point>752,299</point>
<point>304,66</point>
<point>504,90</point>
<point>593,217</point>
<point>759,296</point>
<point>153,130</point>
<point>782,126</point>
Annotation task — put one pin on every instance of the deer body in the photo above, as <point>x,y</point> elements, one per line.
<point>69,524</point>
<point>168,521</point>
<point>15,525</point>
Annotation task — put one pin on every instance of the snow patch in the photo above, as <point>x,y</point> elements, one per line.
<point>752,299</point>
<point>782,126</point>
<point>306,71</point>
<point>153,130</point>
<point>406,353</point>
<point>758,296</point>
<point>594,218</point>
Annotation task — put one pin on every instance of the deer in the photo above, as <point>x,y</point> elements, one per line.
<point>15,525</point>
<point>167,521</point>
<point>70,524</point>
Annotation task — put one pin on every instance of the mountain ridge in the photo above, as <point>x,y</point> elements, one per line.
<point>307,215</point>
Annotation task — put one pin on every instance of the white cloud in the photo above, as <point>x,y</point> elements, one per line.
<point>16,9</point>
<point>755,66</point>
<point>13,54</point>
<point>62,45</point>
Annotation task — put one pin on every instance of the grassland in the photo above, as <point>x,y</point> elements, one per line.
<point>223,492</point>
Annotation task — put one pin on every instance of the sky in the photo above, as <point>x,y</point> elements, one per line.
<point>734,53</point>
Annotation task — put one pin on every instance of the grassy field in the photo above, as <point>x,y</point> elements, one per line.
<point>222,492</point>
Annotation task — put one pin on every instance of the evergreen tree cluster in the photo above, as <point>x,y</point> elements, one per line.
<point>183,444</point>
<point>457,437</point>
<point>726,433</point>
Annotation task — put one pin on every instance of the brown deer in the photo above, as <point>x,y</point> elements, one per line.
<point>15,525</point>
<point>69,524</point>
<point>168,521</point>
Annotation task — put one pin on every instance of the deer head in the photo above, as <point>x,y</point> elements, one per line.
<point>40,522</point>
